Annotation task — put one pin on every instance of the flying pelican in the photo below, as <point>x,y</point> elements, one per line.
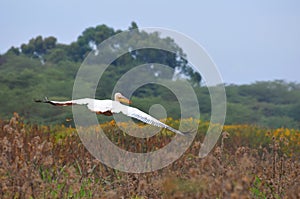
<point>110,107</point>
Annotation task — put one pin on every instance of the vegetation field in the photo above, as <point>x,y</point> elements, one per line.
<point>51,162</point>
<point>42,155</point>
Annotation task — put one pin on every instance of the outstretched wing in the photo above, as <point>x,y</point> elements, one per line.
<point>97,106</point>
<point>84,101</point>
<point>108,107</point>
<point>140,115</point>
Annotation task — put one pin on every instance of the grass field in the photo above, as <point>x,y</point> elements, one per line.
<point>51,162</point>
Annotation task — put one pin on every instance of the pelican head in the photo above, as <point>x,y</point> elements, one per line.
<point>120,98</point>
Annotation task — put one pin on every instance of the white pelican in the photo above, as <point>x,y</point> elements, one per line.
<point>109,107</point>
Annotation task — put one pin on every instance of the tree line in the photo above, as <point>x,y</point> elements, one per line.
<point>43,67</point>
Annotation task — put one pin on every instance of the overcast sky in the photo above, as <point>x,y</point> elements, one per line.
<point>248,40</point>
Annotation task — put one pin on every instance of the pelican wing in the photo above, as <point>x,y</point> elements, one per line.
<point>84,101</point>
<point>107,107</point>
<point>98,106</point>
<point>140,115</point>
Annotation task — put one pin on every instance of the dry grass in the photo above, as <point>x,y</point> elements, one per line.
<point>43,162</point>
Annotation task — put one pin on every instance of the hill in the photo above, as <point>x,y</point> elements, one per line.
<point>42,67</point>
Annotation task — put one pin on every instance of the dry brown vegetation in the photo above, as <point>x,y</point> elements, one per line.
<point>50,162</point>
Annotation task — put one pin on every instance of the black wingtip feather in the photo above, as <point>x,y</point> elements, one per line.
<point>45,100</point>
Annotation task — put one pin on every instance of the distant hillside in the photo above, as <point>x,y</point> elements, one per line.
<point>270,103</point>
<point>42,67</point>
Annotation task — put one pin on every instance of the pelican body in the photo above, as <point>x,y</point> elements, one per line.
<point>110,107</point>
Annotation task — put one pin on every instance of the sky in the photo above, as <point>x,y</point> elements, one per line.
<point>249,40</point>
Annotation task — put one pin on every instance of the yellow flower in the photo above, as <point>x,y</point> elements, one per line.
<point>287,132</point>
<point>112,122</point>
<point>268,134</point>
<point>276,132</point>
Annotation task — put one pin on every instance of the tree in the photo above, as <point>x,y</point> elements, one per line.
<point>38,46</point>
<point>50,42</point>
<point>14,50</point>
<point>89,40</point>
<point>28,49</point>
<point>133,26</point>
<point>57,55</point>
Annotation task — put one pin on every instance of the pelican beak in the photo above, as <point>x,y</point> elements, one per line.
<point>124,100</point>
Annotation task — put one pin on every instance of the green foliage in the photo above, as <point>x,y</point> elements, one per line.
<point>271,104</point>
<point>38,45</point>
<point>255,190</point>
<point>42,67</point>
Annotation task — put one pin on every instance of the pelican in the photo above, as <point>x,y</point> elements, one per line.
<point>110,107</point>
